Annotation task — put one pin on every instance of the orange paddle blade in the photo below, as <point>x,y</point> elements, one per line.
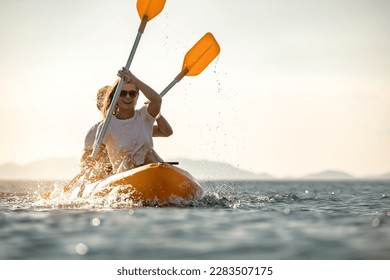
<point>201,54</point>
<point>149,8</point>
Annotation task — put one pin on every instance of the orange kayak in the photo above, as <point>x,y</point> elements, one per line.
<point>155,181</point>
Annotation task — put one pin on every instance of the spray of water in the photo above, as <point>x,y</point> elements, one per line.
<point>217,195</point>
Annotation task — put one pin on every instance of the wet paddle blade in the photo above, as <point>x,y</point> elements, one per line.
<point>201,55</point>
<point>149,8</point>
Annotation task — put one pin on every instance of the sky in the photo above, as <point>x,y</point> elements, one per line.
<point>299,86</point>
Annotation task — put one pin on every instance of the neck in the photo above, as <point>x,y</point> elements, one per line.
<point>123,115</point>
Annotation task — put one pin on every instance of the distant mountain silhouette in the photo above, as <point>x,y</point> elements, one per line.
<point>67,168</point>
<point>380,176</point>
<point>384,176</point>
<point>204,169</point>
<point>329,175</point>
<point>45,169</point>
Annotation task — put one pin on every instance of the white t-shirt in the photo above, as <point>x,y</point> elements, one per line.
<point>129,137</point>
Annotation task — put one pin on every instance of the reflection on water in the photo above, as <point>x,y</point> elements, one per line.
<point>234,220</point>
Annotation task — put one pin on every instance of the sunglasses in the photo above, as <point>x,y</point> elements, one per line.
<point>131,93</point>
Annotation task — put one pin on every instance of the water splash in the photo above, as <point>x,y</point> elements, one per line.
<point>217,75</point>
<point>218,195</point>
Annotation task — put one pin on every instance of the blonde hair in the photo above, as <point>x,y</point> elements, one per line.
<point>101,96</point>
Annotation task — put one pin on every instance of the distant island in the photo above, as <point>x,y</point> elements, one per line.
<point>67,168</point>
<point>204,169</point>
<point>46,169</point>
<point>329,174</point>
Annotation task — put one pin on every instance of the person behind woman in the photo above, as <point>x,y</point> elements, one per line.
<point>102,167</point>
<point>128,137</point>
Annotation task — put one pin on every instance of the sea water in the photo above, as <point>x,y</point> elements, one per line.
<point>235,220</point>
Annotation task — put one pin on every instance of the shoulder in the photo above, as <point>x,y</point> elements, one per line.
<point>90,137</point>
<point>95,126</point>
<point>144,112</point>
<point>93,129</point>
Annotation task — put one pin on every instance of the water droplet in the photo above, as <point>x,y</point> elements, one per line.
<point>306,191</point>
<point>81,249</point>
<point>376,223</point>
<point>95,222</point>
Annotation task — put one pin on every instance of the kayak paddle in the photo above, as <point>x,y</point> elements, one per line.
<point>147,10</point>
<point>197,59</point>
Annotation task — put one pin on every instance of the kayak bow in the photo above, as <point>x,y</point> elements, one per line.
<point>155,181</point>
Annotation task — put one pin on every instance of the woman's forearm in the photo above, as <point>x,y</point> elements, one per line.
<point>163,128</point>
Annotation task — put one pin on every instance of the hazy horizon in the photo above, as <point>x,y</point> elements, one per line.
<point>57,168</point>
<point>299,87</point>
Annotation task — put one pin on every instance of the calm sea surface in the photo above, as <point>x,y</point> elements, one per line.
<point>276,220</point>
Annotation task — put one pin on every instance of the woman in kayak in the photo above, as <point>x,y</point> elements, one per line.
<point>128,138</point>
<point>102,168</point>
